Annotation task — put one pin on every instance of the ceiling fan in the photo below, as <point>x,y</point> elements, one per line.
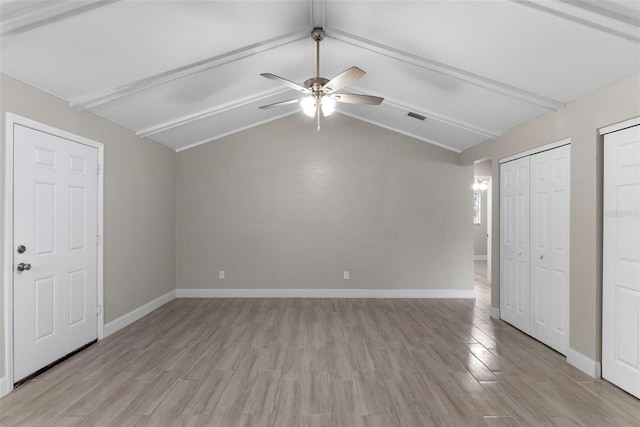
<point>321,91</point>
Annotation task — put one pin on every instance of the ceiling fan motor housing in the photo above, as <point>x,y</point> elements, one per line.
<point>316,84</point>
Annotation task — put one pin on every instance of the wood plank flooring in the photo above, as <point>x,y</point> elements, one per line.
<point>319,362</point>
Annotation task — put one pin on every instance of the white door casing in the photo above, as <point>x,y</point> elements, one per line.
<point>514,243</point>
<point>550,262</point>
<point>621,260</point>
<point>489,228</point>
<point>56,213</point>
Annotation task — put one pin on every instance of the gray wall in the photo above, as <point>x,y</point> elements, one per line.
<point>480,230</point>
<point>579,120</point>
<point>284,206</point>
<point>139,200</point>
<point>481,170</point>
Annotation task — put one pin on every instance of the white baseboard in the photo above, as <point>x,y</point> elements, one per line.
<point>138,313</point>
<point>325,293</point>
<point>479,257</point>
<point>584,363</point>
<point>4,387</point>
<point>494,313</point>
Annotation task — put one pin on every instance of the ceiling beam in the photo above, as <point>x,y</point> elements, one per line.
<point>589,15</point>
<point>96,99</point>
<point>185,120</point>
<point>240,129</point>
<point>318,13</point>
<point>447,70</point>
<point>432,115</point>
<point>43,13</point>
<point>400,131</point>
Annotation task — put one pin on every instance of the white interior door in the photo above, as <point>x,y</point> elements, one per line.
<point>514,243</point>
<point>550,198</point>
<point>55,219</point>
<point>621,260</point>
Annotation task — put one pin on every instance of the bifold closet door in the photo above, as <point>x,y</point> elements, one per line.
<point>550,181</point>
<point>514,243</point>
<point>621,260</point>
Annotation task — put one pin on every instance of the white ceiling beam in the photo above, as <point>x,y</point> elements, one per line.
<point>93,100</point>
<point>219,109</point>
<point>38,14</point>
<point>432,115</point>
<point>249,126</point>
<point>318,13</point>
<point>589,15</point>
<point>447,70</point>
<point>400,131</point>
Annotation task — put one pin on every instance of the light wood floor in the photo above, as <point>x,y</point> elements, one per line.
<point>314,362</point>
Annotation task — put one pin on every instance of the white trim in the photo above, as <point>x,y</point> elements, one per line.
<point>219,109</point>
<point>325,293</point>
<point>4,386</point>
<point>479,257</point>
<point>43,13</point>
<point>11,120</point>
<point>536,150</point>
<point>436,116</point>
<point>93,100</point>
<point>445,69</point>
<point>240,129</point>
<point>620,125</point>
<point>430,141</point>
<point>584,13</point>
<point>584,363</point>
<point>494,313</point>
<point>137,314</point>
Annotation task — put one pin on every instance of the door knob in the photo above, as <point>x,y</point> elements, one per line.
<point>22,249</point>
<point>22,267</point>
<point>541,256</point>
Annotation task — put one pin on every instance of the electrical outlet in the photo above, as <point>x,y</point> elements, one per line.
<point>221,274</point>
<point>345,275</point>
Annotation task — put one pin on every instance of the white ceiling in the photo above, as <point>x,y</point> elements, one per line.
<point>187,72</point>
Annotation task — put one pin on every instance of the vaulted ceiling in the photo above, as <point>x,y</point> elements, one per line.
<point>184,73</point>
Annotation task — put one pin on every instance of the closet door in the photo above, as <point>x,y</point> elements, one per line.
<point>550,199</point>
<point>621,260</point>
<point>514,243</point>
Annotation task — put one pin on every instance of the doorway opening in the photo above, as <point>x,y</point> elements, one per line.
<point>482,217</point>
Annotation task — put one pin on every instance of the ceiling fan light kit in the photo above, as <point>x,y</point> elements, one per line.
<point>320,91</point>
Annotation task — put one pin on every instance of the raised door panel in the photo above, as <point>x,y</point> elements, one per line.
<point>514,243</point>
<point>550,272</point>
<point>621,260</point>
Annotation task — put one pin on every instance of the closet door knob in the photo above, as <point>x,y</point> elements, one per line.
<point>541,257</point>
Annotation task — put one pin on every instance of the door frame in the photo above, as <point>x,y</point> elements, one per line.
<point>11,120</point>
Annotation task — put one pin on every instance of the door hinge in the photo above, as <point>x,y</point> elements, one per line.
<point>98,310</point>
<point>98,169</point>
<point>99,239</point>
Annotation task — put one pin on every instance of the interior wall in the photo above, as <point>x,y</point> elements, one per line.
<point>481,170</point>
<point>579,120</point>
<point>480,230</point>
<point>284,206</point>
<point>139,200</point>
